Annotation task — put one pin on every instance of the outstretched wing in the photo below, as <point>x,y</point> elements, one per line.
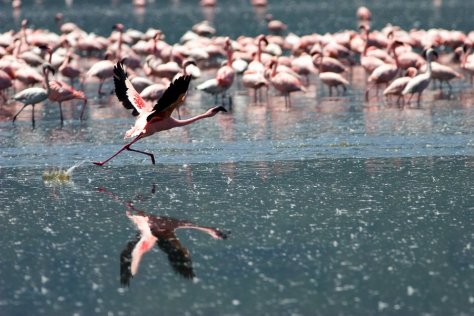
<point>171,98</point>
<point>126,261</point>
<point>178,256</point>
<point>126,93</point>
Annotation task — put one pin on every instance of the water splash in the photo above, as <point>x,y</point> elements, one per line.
<point>60,175</point>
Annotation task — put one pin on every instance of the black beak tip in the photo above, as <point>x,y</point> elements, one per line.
<point>220,109</point>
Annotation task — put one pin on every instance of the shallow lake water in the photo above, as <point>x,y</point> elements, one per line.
<point>333,206</point>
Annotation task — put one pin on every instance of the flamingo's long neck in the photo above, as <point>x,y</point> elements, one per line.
<point>274,69</point>
<point>394,50</point>
<point>65,62</point>
<point>319,61</point>
<point>119,44</point>
<point>366,47</point>
<point>465,56</point>
<point>259,50</point>
<point>429,57</point>
<point>191,120</point>
<point>229,55</point>
<point>155,49</point>
<point>46,80</point>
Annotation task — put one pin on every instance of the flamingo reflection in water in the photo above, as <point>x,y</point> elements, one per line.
<point>161,231</point>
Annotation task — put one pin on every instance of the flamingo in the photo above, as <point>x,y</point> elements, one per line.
<point>364,14</point>
<point>102,70</point>
<point>419,83</point>
<point>284,82</point>
<point>5,83</point>
<point>397,85</point>
<point>275,26</point>
<point>68,70</point>
<point>61,92</point>
<point>332,79</point>
<point>224,77</point>
<point>254,80</point>
<point>160,230</point>
<point>442,73</point>
<point>467,59</point>
<point>328,64</point>
<point>34,95</point>
<point>152,120</point>
<point>384,73</point>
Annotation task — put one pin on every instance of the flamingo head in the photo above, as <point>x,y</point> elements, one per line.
<point>218,109</point>
<point>48,67</point>
<point>118,27</point>
<point>58,17</point>
<point>262,38</point>
<point>411,72</point>
<point>430,53</point>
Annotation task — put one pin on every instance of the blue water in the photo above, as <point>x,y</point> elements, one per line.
<point>333,206</point>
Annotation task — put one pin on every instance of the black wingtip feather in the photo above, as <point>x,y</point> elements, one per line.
<point>120,87</point>
<point>171,95</point>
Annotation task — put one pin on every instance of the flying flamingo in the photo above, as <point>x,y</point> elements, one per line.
<point>152,120</point>
<point>419,83</point>
<point>34,95</point>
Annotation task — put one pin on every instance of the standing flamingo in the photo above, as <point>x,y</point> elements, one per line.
<point>384,73</point>
<point>396,86</point>
<point>61,92</point>
<point>284,82</point>
<point>34,95</point>
<point>224,77</point>
<point>103,70</point>
<point>152,120</point>
<point>419,83</point>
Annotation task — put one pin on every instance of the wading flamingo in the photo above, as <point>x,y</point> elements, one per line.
<point>419,83</point>
<point>396,86</point>
<point>152,120</point>
<point>284,82</point>
<point>34,95</point>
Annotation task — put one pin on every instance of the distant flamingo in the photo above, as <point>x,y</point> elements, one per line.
<point>284,82</point>
<point>364,14</point>
<point>5,83</point>
<point>61,92</point>
<point>275,26</point>
<point>332,79</point>
<point>34,95</point>
<point>467,60</point>
<point>419,83</point>
<point>442,73</point>
<point>152,120</point>
<point>68,70</point>
<point>384,73</point>
<point>224,77</point>
<point>396,86</point>
<point>102,70</point>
